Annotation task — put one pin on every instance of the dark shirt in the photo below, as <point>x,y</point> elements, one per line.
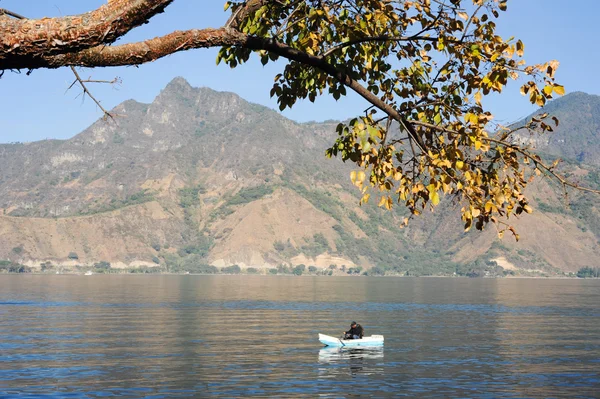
<point>357,330</point>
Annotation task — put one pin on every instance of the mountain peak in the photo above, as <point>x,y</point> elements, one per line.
<point>178,83</point>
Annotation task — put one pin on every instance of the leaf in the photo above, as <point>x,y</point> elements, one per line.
<point>361,176</point>
<point>560,90</point>
<point>520,48</point>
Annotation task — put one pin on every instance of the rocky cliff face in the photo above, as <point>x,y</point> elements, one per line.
<point>206,176</point>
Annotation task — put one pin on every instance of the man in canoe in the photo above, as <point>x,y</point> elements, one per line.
<point>355,332</point>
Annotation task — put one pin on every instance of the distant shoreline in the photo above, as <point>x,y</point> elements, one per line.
<point>292,275</point>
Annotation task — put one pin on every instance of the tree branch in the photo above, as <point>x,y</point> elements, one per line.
<point>90,95</point>
<point>23,41</point>
<point>4,11</point>
<point>378,39</point>
<point>146,51</point>
<point>536,160</point>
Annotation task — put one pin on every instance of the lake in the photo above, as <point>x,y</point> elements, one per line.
<point>256,336</point>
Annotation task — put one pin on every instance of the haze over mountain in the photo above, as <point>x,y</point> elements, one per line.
<point>203,176</point>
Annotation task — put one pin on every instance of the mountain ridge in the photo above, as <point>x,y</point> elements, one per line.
<point>196,173</point>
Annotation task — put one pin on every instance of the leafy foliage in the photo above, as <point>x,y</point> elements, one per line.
<point>193,263</point>
<point>102,265</point>
<point>233,269</point>
<point>188,197</point>
<point>425,67</point>
<point>285,249</point>
<point>316,245</point>
<point>299,269</point>
<point>250,194</point>
<point>136,198</point>
<point>585,272</point>
<point>201,246</point>
<point>11,267</point>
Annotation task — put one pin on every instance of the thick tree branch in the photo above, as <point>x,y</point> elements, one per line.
<point>148,50</point>
<point>23,41</point>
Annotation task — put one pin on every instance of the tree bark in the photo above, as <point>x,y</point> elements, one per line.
<point>24,41</point>
<point>140,52</point>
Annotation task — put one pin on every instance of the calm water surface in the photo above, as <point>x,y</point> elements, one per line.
<point>256,336</point>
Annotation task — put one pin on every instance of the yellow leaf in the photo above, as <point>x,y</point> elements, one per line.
<point>361,176</point>
<point>478,97</point>
<point>388,203</point>
<point>463,15</point>
<point>489,206</point>
<point>560,90</point>
<point>541,101</point>
<point>520,48</point>
<point>435,198</point>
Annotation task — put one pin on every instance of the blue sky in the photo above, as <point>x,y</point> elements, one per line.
<point>36,107</point>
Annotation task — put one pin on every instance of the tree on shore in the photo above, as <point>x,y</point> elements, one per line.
<point>422,66</point>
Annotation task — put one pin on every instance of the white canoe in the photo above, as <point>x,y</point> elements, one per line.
<point>373,340</point>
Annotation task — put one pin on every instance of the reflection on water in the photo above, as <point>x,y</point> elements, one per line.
<point>333,354</point>
<point>355,360</point>
<point>244,336</point>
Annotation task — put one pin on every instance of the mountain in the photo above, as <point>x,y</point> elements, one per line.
<point>577,138</point>
<point>203,177</point>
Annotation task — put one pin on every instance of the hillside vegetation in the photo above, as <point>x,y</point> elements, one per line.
<point>200,179</point>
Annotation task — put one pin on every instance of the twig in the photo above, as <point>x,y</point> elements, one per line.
<point>4,11</point>
<point>90,95</point>
<point>537,162</point>
<point>77,77</point>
